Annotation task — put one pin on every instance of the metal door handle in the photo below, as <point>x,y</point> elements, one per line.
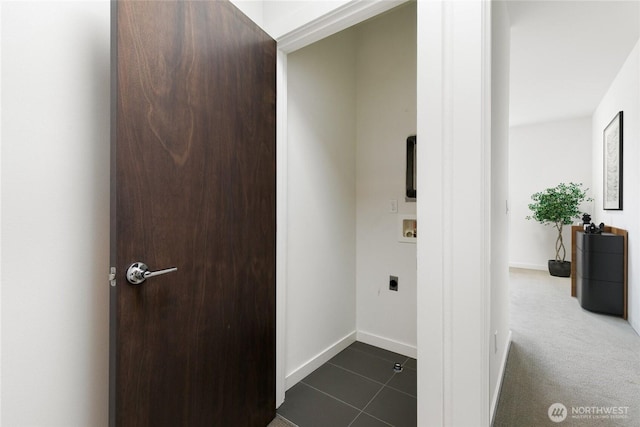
<point>138,272</point>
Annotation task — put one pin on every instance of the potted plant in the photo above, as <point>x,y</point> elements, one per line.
<point>558,206</point>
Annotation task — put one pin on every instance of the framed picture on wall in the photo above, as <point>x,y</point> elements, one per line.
<point>612,162</point>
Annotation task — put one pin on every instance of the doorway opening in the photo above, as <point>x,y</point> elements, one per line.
<point>351,104</point>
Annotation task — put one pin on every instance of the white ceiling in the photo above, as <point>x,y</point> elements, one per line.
<point>565,54</point>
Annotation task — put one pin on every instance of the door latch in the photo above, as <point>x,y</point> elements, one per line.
<point>112,276</point>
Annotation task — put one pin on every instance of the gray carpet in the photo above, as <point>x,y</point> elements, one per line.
<point>278,421</point>
<point>561,353</point>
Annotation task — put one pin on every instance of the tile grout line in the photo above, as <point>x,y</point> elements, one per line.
<point>382,386</point>
<point>369,415</point>
<point>368,403</point>
<point>331,396</point>
<point>379,357</point>
<point>372,399</point>
<point>372,380</point>
<point>394,374</point>
<point>356,373</point>
<point>400,391</point>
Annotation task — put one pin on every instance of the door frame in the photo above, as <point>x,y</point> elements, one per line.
<point>454,274</point>
<point>335,21</point>
<point>453,302</point>
<point>340,19</point>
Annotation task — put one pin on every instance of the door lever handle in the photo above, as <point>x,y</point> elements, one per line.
<point>138,272</point>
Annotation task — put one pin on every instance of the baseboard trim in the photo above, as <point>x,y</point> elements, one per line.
<point>528,266</point>
<point>318,360</point>
<point>387,344</point>
<point>634,325</point>
<point>503,365</point>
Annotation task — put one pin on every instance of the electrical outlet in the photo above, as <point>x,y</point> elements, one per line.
<point>393,283</point>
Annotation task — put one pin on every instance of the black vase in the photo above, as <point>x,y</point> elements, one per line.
<point>559,268</point>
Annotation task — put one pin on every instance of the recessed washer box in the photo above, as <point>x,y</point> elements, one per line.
<point>407,228</point>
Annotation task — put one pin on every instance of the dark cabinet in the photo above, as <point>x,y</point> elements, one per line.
<point>600,272</point>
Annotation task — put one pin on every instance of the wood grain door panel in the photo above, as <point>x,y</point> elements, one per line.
<point>193,186</point>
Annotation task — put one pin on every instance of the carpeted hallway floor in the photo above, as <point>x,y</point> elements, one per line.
<point>560,353</point>
<point>278,421</point>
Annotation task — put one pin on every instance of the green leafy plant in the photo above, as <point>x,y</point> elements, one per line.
<point>558,206</point>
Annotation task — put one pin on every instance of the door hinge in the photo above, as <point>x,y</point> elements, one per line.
<point>112,276</point>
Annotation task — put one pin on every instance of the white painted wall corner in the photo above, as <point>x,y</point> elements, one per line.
<point>387,344</point>
<point>318,360</point>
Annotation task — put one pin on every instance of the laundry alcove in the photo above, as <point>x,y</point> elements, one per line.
<point>351,106</point>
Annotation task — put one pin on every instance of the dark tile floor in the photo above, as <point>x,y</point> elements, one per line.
<point>357,388</point>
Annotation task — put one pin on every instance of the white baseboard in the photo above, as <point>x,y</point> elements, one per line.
<point>503,365</point>
<point>388,344</point>
<point>324,356</point>
<point>528,266</point>
<point>320,359</point>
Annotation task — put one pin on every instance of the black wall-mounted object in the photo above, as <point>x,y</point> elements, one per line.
<point>393,283</point>
<point>411,168</point>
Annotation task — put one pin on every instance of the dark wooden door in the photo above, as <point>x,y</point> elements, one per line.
<point>193,186</point>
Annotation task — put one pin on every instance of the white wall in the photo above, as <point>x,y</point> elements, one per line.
<point>281,17</point>
<point>64,222</point>
<point>0,217</point>
<point>354,89</point>
<point>55,213</point>
<point>386,116</point>
<point>254,9</point>
<point>322,200</point>
<point>55,190</point>
<point>542,156</point>
<point>499,331</point>
<point>623,95</point>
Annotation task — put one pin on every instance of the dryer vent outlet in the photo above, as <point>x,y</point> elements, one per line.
<point>393,283</point>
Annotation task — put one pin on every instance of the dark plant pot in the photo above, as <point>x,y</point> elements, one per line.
<point>559,268</point>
